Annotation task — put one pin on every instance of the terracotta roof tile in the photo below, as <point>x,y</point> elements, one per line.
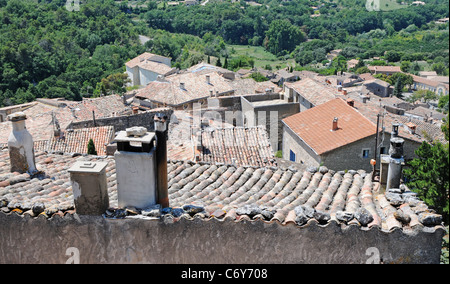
<point>76,141</point>
<point>225,191</point>
<point>195,87</point>
<point>372,107</point>
<point>237,145</point>
<point>314,126</point>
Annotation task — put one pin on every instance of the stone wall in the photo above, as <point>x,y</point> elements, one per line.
<point>303,153</point>
<point>122,122</point>
<point>92,239</point>
<point>270,115</point>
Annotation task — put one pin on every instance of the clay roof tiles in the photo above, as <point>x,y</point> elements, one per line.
<point>315,92</point>
<point>237,145</point>
<point>224,191</point>
<point>314,126</point>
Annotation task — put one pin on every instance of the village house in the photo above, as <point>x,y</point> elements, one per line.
<point>352,63</point>
<point>437,87</point>
<point>377,87</point>
<point>146,67</point>
<point>390,112</point>
<point>309,93</point>
<point>387,70</point>
<point>268,110</point>
<point>425,114</point>
<point>196,85</point>
<point>333,134</point>
<point>284,75</point>
<point>88,204</point>
<point>181,91</point>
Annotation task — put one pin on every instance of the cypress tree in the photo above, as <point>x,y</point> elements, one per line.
<point>91,148</point>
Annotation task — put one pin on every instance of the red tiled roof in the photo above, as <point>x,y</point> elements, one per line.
<point>314,126</point>
<point>75,141</point>
<point>275,195</point>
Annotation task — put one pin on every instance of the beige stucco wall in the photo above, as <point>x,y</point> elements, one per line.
<point>99,240</point>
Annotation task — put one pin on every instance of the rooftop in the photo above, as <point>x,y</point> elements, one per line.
<point>242,146</point>
<point>314,91</point>
<point>41,115</point>
<point>372,107</point>
<point>170,91</point>
<point>140,59</point>
<point>76,141</point>
<point>314,126</point>
<point>429,82</point>
<point>224,191</point>
<point>384,68</point>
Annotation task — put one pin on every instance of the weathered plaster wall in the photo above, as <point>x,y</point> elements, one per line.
<point>99,240</point>
<point>145,119</point>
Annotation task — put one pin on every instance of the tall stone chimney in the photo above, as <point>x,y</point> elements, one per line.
<point>135,168</point>
<point>20,145</point>
<point>395,163</point>
<point>89,186</point>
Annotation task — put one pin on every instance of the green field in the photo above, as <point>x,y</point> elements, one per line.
<point>260,55</point>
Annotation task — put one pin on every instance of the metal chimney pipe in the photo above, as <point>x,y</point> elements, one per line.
<point>161,123</point>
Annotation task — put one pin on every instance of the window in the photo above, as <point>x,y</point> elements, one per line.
<point>365,153</point>
<point>291,156</point>
<point>383,150</point>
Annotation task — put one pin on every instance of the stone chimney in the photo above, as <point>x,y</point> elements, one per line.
<point>396,161</point>
<point>136,168</point>
<point>182,86</point>
<point>334,126</point>
<point>208,79</point>
<point>89,186</point>
<point>20,145</point>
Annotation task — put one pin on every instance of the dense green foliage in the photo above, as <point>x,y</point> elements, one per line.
<point>428,175</point>
<point>48,51</point>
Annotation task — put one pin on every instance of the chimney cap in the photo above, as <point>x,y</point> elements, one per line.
<point>147,138</point>
<point>17,116</point>
<point>87,167</point>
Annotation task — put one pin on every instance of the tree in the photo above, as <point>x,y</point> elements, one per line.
<point>91,148</point>
<point>114,83</point>
<point>282,36</point>
<point>218,63</point>
<point>428,176</point>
